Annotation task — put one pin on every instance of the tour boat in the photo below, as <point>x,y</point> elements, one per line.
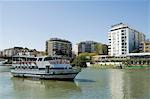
<point>43,68</point>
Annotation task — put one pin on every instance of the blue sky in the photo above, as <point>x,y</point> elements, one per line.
<point>31,23</point>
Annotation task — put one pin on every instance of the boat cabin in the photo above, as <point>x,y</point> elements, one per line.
<point>21,62</point>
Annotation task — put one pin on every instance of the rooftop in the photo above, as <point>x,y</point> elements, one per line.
<point>59,39</point>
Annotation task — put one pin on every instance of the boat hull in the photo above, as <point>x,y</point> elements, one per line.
<point>46,76</point>
<point>53,75</point>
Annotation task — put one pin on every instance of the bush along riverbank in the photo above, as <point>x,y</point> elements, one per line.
<point>106,66</point>
<point>137,67</point>
<point>119,66</point>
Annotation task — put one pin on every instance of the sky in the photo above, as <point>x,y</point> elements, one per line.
<point>29,23</point>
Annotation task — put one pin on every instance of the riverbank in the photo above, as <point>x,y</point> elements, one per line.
<point>105,66</point>
<point>137,67</point>
<point>119,66</point>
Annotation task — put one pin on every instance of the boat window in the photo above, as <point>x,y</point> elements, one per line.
<point>40,59</point>
<point>41,68</point>
<point>34,59</point>
<point>48,58</point>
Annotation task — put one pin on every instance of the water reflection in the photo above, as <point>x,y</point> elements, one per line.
<point>84,80</point>
<point>5,68</point>
<point>91,83</point>
<point>116,84</point>
<point>43,88</point>
<point>130,84</point>
<point>137,84</point>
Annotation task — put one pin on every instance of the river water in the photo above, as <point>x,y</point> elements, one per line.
<point>91,83</point>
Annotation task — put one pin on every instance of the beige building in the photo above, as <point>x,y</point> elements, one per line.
<point>21,51</point>
<point>145,46</point>
<point>12,51</point>
<point>86,46</point>
<point>91,47</point>
<point>61,47</point>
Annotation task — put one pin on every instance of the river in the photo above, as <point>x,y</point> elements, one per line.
<point>91,83</point>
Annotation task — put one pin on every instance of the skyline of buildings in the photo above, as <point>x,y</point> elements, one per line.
<point>26,23</point>
<point>122,41</point>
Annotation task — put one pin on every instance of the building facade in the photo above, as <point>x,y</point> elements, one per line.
<point>61,47</point>
<point>123,39</point>
<point>20,51</point>
<point>86,46</point>
<point>145,46</point>
<point>12,51</point>
<point>1,53</point>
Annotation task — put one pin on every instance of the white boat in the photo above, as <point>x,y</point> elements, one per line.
<point>44,68</point>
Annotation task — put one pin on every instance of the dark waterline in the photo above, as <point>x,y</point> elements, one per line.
<point>91,83</point>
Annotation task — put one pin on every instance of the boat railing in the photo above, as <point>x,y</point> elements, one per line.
<point>59,61</point>
<point>25,63</point>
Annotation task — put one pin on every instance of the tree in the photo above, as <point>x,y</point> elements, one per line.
<point>79,61</point>
<point>82,58</point>
<point>101,49</point>
<point>136,51</point>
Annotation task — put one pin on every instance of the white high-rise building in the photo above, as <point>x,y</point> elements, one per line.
<point>123,39</point>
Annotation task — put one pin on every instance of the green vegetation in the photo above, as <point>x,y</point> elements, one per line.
<point>101,49</point>
<point>82,58</point>
<point>136,51</point>
<point>137,67</point>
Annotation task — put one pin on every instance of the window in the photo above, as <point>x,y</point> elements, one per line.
<point>122,30</point>
<point>40,59</point>
<point>48,58</point>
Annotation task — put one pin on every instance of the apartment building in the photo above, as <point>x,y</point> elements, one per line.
<point>57,46</point>
<point>123,39</point>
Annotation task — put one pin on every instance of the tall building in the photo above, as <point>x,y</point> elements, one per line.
<point>61,47</point>
<point>86,46</point>
<point>145,46</point>
<point>123,39</point>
